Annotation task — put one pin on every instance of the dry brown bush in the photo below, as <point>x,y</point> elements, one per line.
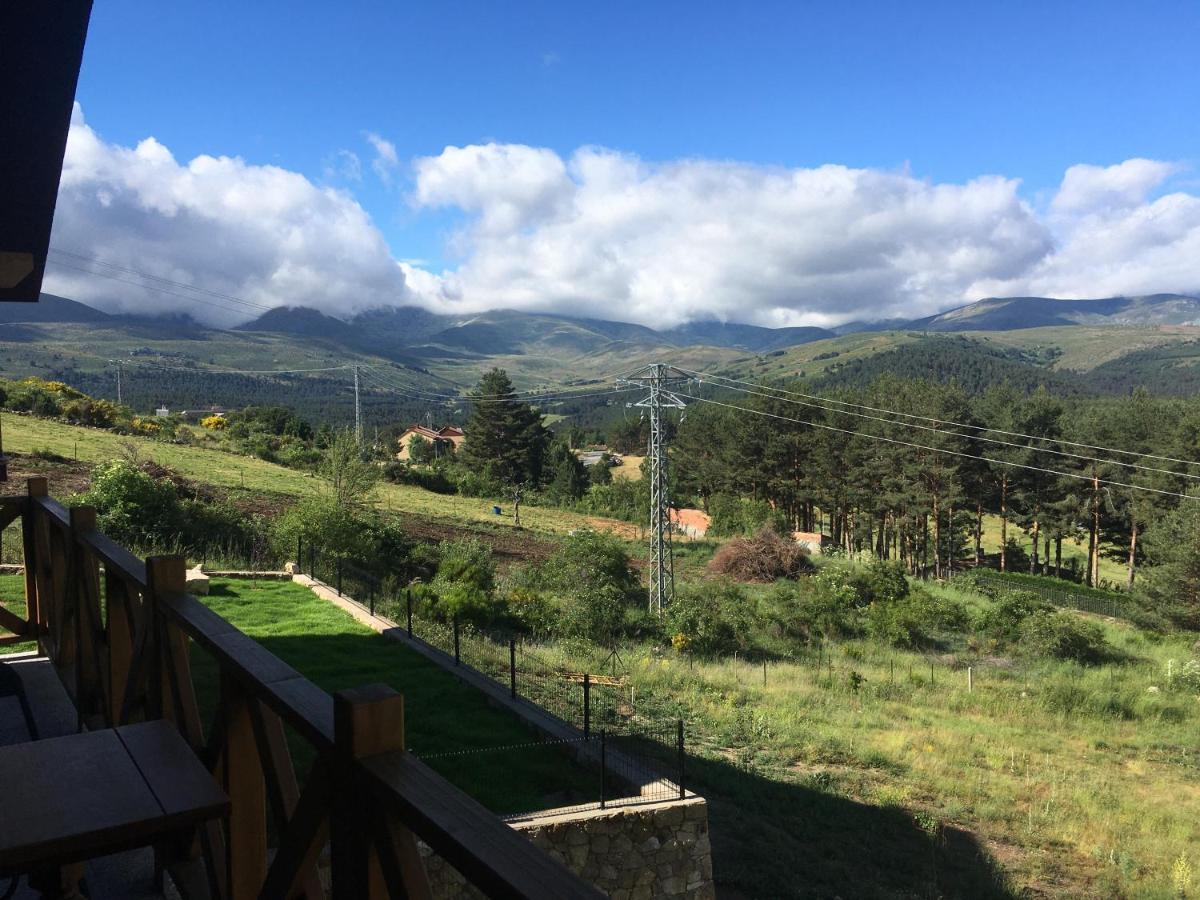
<point>763,558</point>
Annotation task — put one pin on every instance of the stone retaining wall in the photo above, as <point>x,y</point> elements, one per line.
<point>643,852</point>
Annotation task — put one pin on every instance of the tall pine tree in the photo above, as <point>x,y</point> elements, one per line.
<point>505,438</point>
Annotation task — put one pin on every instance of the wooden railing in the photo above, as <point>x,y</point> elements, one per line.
<point>120,633</point>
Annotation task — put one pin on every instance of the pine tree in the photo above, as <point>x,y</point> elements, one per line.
<point>505,438</point>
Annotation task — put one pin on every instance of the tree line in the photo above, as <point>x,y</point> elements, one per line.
<point>920,494</point>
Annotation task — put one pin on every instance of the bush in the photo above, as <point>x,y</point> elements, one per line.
<point>741,516</point>
<point>914,620</point>
<point>321,522</point>
<point>464,586</point>
<point>591,577</point>
<point>1061,635</point>
<point>885,582</point>
<point>1004,618</point>
<point>820,607</point>
<point>763,558</point>
<point>134,508</point>
<point>710,619</point>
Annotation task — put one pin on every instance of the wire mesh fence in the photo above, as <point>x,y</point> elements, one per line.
<point>589,701</point>
<point>618,769</point>
<point>1085,601</point>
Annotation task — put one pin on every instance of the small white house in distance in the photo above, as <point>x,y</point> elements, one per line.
<point>162,412</point>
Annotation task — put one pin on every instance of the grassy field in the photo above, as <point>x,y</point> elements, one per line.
<point>875,779</point>
<point>25,434</point>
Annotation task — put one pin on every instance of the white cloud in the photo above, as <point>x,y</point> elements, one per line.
<point>610,235</point>
<point>1112,239</point>
<point>386,159</point>
<point>260,233</point>
<point>1087,188</point>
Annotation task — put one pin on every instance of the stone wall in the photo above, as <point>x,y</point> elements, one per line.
<point>654,850</point>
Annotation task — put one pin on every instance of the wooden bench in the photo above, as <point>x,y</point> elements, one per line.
<point>72,798</point>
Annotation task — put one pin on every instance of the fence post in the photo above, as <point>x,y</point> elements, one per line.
<point>512,667</point>
<point>603,766</point>
<point>366,721</point>
<point>339,577</point>
<point>456,657</point>
<point>587,705</point>
<point>970,680</point>
<point>409,592</point>
<point>679,746</point>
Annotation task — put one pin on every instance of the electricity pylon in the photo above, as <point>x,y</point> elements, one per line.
<point>357,411</point>
<point>659,379</point>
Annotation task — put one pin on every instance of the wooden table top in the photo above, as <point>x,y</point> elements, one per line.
<point>90,794</point>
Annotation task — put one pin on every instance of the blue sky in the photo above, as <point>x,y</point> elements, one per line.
<point>946,92</point>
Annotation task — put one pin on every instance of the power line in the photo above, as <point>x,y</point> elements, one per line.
<point>210,371</point>
<point>999,462</point>
<point>429,397</point>
<point>148,287</point>
<point>1186,462</point>
<point>1066,453</point>
<point>95,260</point>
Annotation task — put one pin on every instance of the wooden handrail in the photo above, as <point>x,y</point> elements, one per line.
<point>466,835</point>
<point>364,793</point>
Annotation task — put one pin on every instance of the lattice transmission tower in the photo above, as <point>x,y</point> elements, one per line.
<point>660,380</point>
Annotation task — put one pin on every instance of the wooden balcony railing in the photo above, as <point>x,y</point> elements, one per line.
<point>120,634</point>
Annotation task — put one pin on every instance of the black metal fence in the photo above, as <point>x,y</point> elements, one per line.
<point>617,769</point>
<point>589,701</point>
<point>1065,596</point>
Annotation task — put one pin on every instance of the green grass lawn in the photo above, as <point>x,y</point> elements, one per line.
<point>441,713</point>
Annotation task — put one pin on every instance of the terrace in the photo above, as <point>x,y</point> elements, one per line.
<point>263,785</point>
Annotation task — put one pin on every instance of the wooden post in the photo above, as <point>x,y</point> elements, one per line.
<point>244,783</point>
<point>34,487</point>
<point>85,594</point>
<point>367,721</point>
<point>120,643</point>
<point>970,680</point>
<point>164,575</point>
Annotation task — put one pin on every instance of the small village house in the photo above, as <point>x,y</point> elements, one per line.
<point>446,438</point>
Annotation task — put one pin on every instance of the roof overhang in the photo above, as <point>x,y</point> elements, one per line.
<point>41,48</point>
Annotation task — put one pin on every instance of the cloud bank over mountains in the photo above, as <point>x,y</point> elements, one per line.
<point>608,235</point>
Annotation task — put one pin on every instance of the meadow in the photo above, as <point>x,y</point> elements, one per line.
<point>207,464</point>
<point>854,769</point>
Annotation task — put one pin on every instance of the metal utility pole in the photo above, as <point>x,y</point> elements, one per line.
<point>659,379</point>
<point>357,411</point>
<point>118,382</point>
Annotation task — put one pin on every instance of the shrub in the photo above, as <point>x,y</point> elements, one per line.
<point>710,619</point>
<point>1003,619</point>
<point>1061,635</point>
<point>132,507</point>
<point>464,585</point>
<point>742,516</point>
<point>590,575</point>
<point>885,581</point>
<point>762,558</point>
<point>914,620</point>
<point>214,423</point>
<point>321,522</point>
<point>817,608</point>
